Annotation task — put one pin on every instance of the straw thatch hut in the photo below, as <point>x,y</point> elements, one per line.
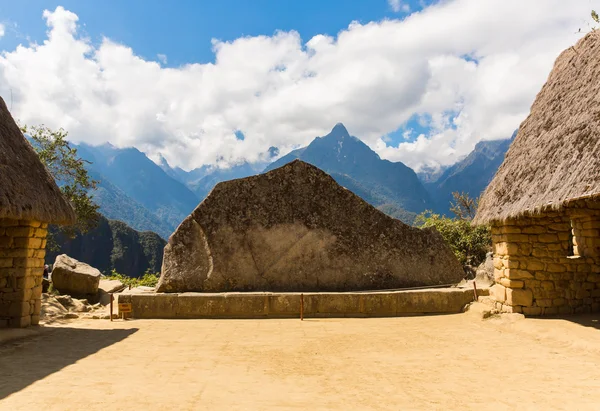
<point>544,202</point>
<point>29,200</point>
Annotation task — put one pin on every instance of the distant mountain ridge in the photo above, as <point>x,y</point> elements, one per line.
<point>470,175</point>
<point>157,197</point>
<point>113,245</point>
<point>136,190</point>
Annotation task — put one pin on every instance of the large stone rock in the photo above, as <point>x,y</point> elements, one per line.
<point>73,277</point>
<point>485,272</point>
<point>296,229</point>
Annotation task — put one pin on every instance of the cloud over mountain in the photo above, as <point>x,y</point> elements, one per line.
<point>465,69</point>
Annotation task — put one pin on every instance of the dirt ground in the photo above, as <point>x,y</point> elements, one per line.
<point>431,362</point>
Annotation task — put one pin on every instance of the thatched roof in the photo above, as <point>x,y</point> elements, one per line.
<point>555,157</point>
<point>27,190</point>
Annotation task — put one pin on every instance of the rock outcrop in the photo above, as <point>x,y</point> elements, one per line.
<point>296,229</point>
<point>73,277</point>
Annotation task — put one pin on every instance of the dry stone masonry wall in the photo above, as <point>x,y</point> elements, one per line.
<point>549,263</point>
<point>22,251</point>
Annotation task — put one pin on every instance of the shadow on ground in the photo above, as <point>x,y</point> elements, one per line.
<point>587,320</point>
<point>28,360</point>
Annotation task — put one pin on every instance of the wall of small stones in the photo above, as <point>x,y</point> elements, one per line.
<point>22,251</point>
<point>549,263</point>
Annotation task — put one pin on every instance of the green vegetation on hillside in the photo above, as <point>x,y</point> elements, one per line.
<point>113,245</point>
<point>147,280</point>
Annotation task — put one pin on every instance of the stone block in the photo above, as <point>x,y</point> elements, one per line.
<point>39,253</point>
<point>26,282</point>
<point>36,292</point>
<point>20,231</point>
<point>583,268</point>
<point>558,302</point>
<point>6,241</point>
<point>548,238</point>
<point>556,268</point>
<point>20,322</point>
<point>543,302</point>
<point>511,309</point>
<point>517,274</point>
<point>498,274</point>
<point>40,233</point>
<point>560,227</point>
<point>556,247</point>
<point>151,305</point>
<point>6,222</point>
<point>547,285</point>
<point>512,283</point>
<point>506,229</point>
<point>504,248</point>
<point>550,310</point>
<point>338,304</point>
<point>35,319</point>
<point>498,263</point>
<point>565,309</point>
<point>588,286</point>
<point>525,249</point>
<point>534,229</point>
<point>6,262</point>
<point>498,293</point>
<point>595,293</point>
<point>521,296</point>
<point>380,305</point>
<point>532,310</point>
<point>591,224</point>
<point>582,293</point>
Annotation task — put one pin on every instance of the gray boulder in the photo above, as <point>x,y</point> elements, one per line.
<point>485,272</point>
<point>296,229</point>
<point>73,277</point>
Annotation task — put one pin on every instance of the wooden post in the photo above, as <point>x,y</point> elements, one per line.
<point>301,307</point>
<point>111,305</point>
<point>475,290</point>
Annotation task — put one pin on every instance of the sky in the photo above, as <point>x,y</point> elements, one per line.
<point>207,82</point>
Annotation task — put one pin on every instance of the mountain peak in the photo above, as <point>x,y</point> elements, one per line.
<point>339,131</point>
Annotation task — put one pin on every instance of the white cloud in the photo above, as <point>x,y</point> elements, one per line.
<point>1,30</point>
<point>162,58</point>
<point>282,92</point>
<point>398,5</point>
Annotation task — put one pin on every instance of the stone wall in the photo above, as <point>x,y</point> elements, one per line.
<point>287,305</point>
<point>22,251</point>
<point>549,263</point>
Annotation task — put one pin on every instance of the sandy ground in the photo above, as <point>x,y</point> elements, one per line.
<point>432,362</point>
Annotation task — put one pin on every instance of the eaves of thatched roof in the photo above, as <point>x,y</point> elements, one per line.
<point>555,157</point>
<point>27,190</point>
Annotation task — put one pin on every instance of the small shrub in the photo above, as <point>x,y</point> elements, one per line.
<point>468,242</point>
<point>147,280</point>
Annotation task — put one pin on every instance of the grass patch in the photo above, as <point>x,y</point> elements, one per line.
<point>147,280</point>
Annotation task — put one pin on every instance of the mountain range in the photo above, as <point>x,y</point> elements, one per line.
<point>157,197</point>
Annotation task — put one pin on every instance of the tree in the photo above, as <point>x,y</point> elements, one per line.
<point>469,243</point>
<point>595,16</point>
<point>463,206</point>
<point>69,171</point>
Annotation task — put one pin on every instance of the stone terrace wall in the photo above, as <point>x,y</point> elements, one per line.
<point>22,251</point>
<point>549,264</point>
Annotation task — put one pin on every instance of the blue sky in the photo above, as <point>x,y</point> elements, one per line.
<point>183,29</point>
<point>205,82</point>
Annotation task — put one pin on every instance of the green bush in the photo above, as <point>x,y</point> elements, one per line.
<point>147,280</point>
<point>468,242</point>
